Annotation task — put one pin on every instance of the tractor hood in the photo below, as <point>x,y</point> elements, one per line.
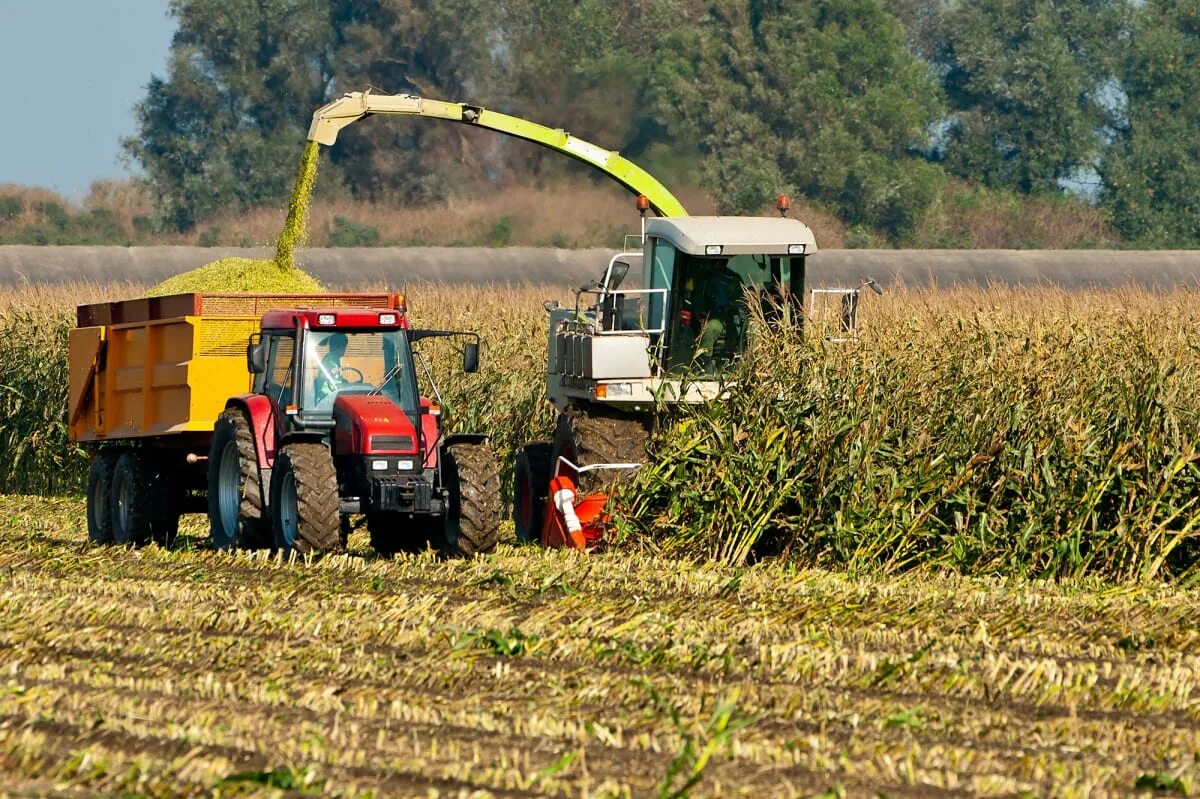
<point>372,425</point>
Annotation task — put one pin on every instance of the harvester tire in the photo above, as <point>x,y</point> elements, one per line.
<point>392,533</point>
<point>472,474</point>
<point>531,484</point>
<point>235,492</point>
<point>586,437</point>
<point>305,507</point>
<point>136,503</point>
<point>99,496</point>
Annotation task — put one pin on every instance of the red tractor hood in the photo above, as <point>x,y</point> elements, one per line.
<point>372,425</point>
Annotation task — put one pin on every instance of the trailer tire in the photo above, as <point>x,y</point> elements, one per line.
<point>305,506</point>
<point>235,492</point>
<point>138,514</point>
<point>472,478</point>
<point>586,436</point>
<point>99,498</point>
<point>531,484</point>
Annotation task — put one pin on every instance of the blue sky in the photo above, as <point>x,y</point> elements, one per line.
<point>71,72</point>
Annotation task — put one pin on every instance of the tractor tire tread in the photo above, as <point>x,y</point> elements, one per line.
<point>318,526</point>
<point>475,499</point>
<point>254,530</point>
<point>597,436</point>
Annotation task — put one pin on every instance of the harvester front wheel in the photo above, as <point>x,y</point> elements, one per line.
<point>531,484</point>
<point>138,510</point>
<point>235,494</point>
<point>99,494</point>
<point>472,475</point>
<point>587,437</point>
<point>305,507</point>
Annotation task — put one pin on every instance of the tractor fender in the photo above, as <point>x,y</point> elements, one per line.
<point>264,421</point>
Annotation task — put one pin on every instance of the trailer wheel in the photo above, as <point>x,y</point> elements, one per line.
<point>392,533</point>
<point>587,436</point>
<point>99,495</point>
<point>531,484</point>
<point>135,504</point>
<point>472,476</point>
<point>235,495</point>
<point>305,507</point>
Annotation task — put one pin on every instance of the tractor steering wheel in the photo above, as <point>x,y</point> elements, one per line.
<point>358,379</point>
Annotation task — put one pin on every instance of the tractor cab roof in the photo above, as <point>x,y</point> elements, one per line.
<point>335,319</point>
<point>736,235</point>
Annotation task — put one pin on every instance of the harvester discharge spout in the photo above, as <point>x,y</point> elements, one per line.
<point>329,120</point>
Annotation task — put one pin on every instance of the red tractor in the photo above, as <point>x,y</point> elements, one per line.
<point>335,426</point>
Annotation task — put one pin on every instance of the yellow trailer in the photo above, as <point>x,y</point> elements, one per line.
<point>148,379</point>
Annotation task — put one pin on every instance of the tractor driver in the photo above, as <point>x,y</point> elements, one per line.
<point>329,376</point>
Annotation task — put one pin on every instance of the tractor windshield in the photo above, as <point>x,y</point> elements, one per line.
<point>709,328</point>
<point>358,362</point>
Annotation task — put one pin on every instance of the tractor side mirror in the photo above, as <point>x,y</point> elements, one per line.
<point>471,357</point>
<point>256,355</point>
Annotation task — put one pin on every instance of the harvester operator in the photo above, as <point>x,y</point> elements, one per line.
<point>712,296</point>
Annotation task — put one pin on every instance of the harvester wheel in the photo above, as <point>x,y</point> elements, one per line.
<point>587,437</point>
<point>531,484</point>
<point>136,505</point>
<point>235,494</point>
<point>99,494</point>
<point>392,533</point>
<point>472,475</point>
<point>305,507</point>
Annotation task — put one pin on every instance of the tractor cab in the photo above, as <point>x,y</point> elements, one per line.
<point>671,338</point>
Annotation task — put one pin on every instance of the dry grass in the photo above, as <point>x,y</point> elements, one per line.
<point>189,672</point>
<point>976,218</point>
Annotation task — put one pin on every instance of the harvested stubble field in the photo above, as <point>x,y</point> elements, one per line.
<point>918,487</point>
<point>541,673</point>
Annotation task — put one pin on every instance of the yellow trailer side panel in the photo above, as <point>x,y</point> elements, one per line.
<point>158,377</point>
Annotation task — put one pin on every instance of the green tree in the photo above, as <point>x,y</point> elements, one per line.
<point>226,126</point>
<point>818,96</point>
<point>1025,81</point>
<point>1151,174</point>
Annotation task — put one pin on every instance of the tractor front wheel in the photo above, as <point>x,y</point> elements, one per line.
<point>305,508</point>
<point>531,484</point>
<point>472,476</point>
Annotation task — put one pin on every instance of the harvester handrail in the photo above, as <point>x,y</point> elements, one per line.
<point>329,119</point>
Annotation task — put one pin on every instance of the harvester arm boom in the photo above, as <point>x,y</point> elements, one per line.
<point>331,118</point>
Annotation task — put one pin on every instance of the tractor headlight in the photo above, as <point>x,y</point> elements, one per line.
<point>379,466</point>
<point>404,466</point>
<point>713,249</point>
<point>327,319</point>
<point>387,319</point>
<point>795,249</point>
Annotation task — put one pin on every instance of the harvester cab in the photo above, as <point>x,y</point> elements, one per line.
<point>340,428</point>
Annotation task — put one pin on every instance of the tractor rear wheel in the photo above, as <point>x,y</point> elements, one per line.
<point>531,484</point>
<point>235,492</point>
<point>392,533</point>
<point>472,474</point>
<point>99,496</point>
<point>587,436</point>
<point>141,503</point>
<point>305,507</point>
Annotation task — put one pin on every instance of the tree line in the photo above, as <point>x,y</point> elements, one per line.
<point>867,109</point>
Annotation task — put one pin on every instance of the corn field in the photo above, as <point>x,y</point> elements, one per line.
<point>952,556</point>
<point>541,673</point>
